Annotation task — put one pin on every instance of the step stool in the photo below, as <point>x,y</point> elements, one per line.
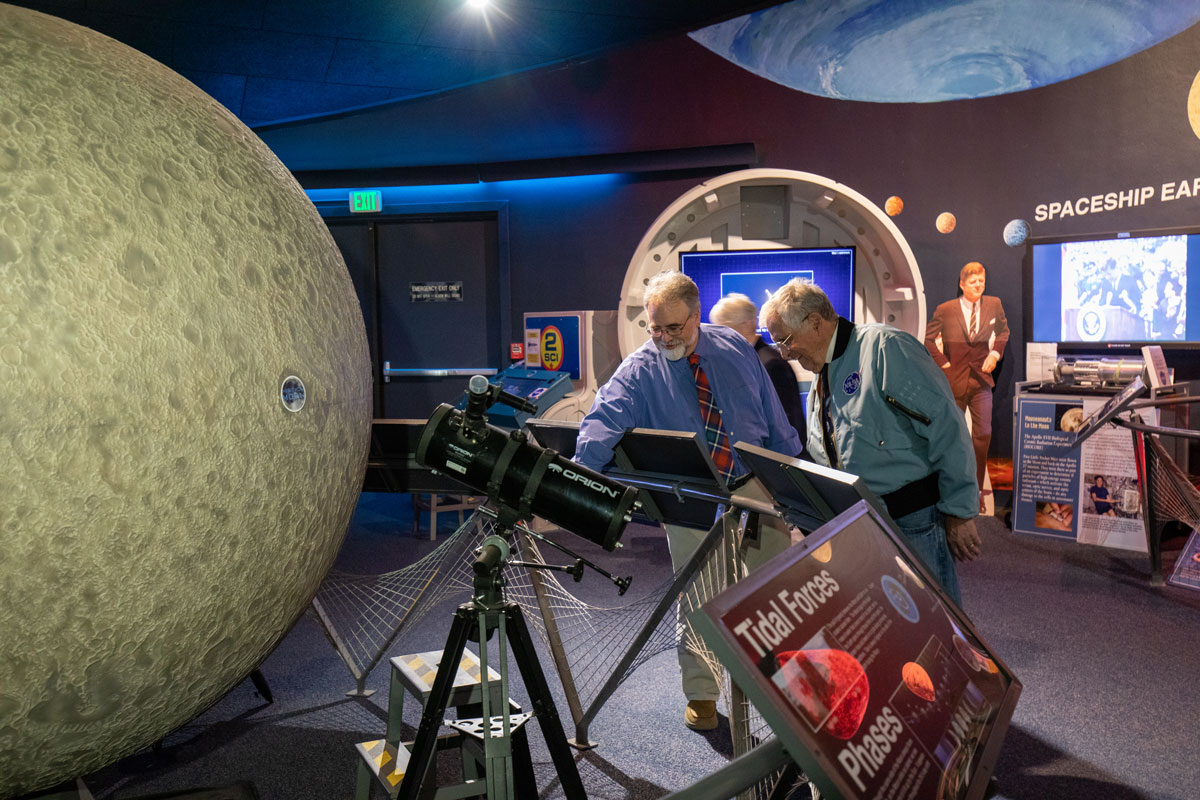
<point>386,759</point>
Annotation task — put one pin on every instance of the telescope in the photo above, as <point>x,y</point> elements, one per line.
<point>1097,371</point>
<point>518,474</point>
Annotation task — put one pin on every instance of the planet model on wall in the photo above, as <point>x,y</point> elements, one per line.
<point>1016,232</point>
<point>893,206</point>
<point>1193,105</point>
<point>945,222</point>
<point>187,401</point>
<point>934,50</point>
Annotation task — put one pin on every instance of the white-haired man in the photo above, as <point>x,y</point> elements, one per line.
<point>737,311</point>
<point>882,410</point>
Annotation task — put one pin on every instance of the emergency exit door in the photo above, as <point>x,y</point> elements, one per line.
<point>435,303</point>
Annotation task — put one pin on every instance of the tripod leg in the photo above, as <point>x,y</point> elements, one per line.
<point>543,704</point>
<point>523,777</point>
<point>425,746</point>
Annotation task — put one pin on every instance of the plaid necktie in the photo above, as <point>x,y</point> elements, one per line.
<point>714,429</point>
<point>974,320</point>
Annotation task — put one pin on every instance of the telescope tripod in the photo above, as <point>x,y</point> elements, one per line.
<point>508,776</point>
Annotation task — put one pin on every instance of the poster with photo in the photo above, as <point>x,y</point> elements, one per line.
<point>1110,500</point>
<point>1046,467</point>
<point>1089,493</point>
<point>877,685</point>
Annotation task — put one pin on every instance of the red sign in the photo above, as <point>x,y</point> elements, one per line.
<point>516,351</point>
<point>853,656</point>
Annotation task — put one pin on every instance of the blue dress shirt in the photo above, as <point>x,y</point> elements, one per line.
<point>650,391</point>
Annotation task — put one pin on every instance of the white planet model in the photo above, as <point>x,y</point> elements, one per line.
<point>165,515</point>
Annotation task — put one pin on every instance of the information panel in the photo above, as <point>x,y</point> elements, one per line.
<point>552,342</point>
<point>875,683</point>
<point>1088,493</point>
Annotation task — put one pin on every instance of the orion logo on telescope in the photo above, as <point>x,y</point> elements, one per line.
<point>594,485</point>
<point>519,477</point>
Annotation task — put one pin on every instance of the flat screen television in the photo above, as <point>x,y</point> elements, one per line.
<point>758,273</point>
<point>1115,290</point>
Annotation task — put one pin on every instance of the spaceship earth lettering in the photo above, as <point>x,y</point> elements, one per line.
<point>165,517</point>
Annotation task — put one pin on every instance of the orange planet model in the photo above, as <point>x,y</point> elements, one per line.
<point>946,222</point>
<point>893,206</point>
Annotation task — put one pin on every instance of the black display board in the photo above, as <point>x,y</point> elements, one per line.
<point>877,685</point>
<point>555,434</point>
<point>679,483</point>
<point>808,494</point>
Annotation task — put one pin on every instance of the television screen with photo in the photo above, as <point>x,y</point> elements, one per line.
<point>1118,289</point>
<point>758,273</point>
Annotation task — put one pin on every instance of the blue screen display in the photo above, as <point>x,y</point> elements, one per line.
<point>758,273</point>
<point>1121,290</point>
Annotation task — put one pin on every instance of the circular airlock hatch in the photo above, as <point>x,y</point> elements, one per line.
<point>758,209</point>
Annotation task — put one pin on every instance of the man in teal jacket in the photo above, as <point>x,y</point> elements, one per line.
<point>882,409</point>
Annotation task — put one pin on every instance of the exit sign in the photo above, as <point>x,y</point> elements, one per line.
<point>366,202</point>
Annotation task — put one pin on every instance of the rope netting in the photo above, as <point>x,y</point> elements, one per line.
<point>1173,496</point>
<point>596,648</point>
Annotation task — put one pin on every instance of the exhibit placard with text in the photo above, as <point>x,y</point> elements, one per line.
<point>1186,573</point>
<point>1088,493</point>
<point>877,685</point>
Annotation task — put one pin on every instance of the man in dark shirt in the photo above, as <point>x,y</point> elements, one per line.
<point>737,311</point>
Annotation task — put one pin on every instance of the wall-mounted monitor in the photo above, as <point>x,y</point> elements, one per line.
<point>1111,290</point>
<point>758,273</point>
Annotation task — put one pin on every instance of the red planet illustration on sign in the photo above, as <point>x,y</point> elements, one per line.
<point>825,683</point>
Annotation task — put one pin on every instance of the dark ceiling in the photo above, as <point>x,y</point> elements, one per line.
<point>268,60</point>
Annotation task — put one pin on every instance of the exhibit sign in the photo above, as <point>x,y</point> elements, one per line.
<point>877,685</point>
<point>553,342</point>
<point>1187,567</point>
<point>1089,493</point>
<point>435,291</point>
<point>1046,466</point>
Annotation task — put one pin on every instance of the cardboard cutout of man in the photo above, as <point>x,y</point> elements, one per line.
<point>974,333</point>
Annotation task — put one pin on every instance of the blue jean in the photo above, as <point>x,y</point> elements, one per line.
<point>925,534</point>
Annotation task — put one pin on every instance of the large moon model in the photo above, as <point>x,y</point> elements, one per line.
<point>165,516</point>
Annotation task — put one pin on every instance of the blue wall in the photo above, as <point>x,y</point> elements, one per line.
<point>986,160</point>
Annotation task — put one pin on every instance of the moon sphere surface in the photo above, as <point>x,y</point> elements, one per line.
<point>170,498</point>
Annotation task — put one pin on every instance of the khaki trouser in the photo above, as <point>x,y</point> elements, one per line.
<point>774,538</point>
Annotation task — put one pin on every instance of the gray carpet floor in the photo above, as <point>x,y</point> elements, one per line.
<point>1110,707</point>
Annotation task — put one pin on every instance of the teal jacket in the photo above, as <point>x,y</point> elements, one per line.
<point>895,420</point>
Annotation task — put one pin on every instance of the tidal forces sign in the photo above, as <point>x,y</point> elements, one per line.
<point>875,683</point>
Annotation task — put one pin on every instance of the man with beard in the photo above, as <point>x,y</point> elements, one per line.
<point>674,382</point>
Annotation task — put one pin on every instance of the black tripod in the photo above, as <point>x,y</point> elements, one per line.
<point>488,611</point>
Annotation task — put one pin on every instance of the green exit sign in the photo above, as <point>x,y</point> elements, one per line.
<point>366,202</point>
